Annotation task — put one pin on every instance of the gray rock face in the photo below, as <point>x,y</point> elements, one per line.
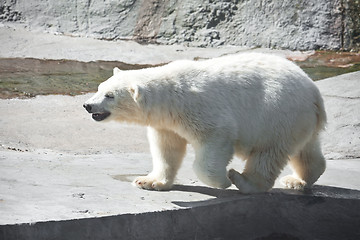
<point>300,25</point>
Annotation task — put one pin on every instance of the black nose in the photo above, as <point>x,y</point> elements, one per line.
<point>87,107</point>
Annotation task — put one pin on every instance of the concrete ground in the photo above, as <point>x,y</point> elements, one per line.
<point>58,166</point>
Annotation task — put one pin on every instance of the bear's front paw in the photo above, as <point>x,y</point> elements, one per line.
<point>151,183</point>
<point>293,182</point>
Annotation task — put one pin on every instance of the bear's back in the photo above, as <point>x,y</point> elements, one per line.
<point>244,92</point>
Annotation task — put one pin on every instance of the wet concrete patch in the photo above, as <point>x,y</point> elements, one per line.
<point>28,77</point>
<point>126,177</point>
<point>325,64</point>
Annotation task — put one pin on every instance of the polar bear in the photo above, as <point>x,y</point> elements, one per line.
<point>262,108</point>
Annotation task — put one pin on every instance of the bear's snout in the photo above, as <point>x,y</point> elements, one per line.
<point>87,107</point>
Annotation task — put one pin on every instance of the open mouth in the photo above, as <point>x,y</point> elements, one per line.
<point>100,116</point>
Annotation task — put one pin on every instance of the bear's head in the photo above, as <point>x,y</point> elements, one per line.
<point>115,99</point>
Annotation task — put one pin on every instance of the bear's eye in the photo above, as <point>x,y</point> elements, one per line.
<point>109,95</point>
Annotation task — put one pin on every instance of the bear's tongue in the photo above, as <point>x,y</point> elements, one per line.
<point>100,116</point>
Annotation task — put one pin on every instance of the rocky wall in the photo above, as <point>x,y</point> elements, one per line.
<point>287,24</point>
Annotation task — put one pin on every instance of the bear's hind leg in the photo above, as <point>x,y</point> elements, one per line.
<point>308,165</point>
<point>261,170</point>
<point>167,150</point>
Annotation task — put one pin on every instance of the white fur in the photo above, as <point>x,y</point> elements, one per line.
<point>262,108</point>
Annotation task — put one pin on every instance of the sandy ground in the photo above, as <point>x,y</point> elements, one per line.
<point>56,163</point>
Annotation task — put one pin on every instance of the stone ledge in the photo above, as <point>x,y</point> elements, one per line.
<point>326,213</point>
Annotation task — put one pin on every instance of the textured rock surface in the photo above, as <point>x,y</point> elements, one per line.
<point>302,25</point>
<point>341,138</point>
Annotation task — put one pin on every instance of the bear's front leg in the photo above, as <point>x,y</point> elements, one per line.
<point>167,150</point>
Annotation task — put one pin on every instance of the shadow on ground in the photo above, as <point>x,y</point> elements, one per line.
<point>221,195</point>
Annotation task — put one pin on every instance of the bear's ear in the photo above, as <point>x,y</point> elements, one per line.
<point>116,70</point>
<point>135,92</point>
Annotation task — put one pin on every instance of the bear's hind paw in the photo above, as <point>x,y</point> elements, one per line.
<point>231,175</point>
<point>293,182</point>
<point>151,183</point>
